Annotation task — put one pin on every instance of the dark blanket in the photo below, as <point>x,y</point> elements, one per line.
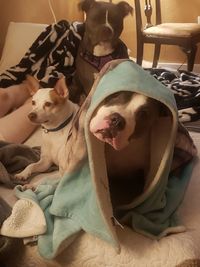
<point>14,158</point>
<point>186,88</point>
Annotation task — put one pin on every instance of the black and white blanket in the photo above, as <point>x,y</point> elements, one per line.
<point>53,54</point>
<point>186,88</point>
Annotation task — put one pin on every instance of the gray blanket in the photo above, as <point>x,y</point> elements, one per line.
<point>14,158</point>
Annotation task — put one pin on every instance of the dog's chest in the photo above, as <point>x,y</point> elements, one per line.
<point>54,145</point>
<point>85,72</point>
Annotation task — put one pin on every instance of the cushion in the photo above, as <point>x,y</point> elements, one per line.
<point>174,29</point>
<point>19,38</point>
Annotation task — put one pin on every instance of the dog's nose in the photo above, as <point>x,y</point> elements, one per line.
<point>117,121</point>
<point>32,116</point>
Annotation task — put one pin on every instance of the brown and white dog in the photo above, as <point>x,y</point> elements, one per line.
<point>52,109</point>
<point>100,43</point>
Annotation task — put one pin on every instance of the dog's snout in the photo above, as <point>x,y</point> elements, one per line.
<point>117,121</point>
<point>32,116</point>
<point>106,133</point>
<point>106,32</point>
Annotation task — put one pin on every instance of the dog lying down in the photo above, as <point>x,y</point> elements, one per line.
<point>124,121</point>
<point>51,109</point>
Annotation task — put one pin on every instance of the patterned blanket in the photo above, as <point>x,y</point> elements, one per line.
<point>53,54</point>
<point>186,88</point>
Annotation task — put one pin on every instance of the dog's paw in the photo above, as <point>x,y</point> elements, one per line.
<point>22,176</point>
<point>28,186</point>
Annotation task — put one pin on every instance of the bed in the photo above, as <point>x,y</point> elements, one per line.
<point>180,249</point>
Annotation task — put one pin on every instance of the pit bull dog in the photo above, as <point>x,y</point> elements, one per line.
<point>124,121</point>
<point>52,109</point>
<point>100,43</point>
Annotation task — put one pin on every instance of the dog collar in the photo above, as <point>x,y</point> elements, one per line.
<point>62,125</point>
<point>99,61</point>
<point>95,61</point>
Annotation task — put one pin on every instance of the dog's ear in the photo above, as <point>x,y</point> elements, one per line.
<point>61,88</point>
<point>32,84</point>
<point>85,5</point>
<point>125,8</point>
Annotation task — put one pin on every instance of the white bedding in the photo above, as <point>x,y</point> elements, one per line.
<point>137,250</point>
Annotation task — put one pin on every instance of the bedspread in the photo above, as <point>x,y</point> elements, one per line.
<point>136,252</point>
<point>186,88</point>
<point>177,250</point>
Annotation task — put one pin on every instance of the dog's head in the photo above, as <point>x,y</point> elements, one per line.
<point>48,103</point>
<point>123,116</point>
<point>104,21</point>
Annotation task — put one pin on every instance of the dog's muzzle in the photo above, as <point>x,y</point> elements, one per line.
<point>105,33</point>
<point>109,129</point>
<point>116,123</point>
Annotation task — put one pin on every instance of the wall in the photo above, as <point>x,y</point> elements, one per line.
<point>172,11</point>
<point>38,11</point>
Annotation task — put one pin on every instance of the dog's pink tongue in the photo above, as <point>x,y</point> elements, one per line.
<point>114,142</point>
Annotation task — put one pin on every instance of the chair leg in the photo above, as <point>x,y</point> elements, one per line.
<point>140,50</point>
<point>191,57</point>
<point>156,55</point>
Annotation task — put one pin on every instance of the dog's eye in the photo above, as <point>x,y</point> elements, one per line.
<point>33,102</point>
<point>48,104</point>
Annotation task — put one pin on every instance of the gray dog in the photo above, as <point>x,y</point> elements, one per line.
<point>100,43</point>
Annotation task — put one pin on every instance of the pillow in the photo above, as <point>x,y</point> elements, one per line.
<point>19,38</point>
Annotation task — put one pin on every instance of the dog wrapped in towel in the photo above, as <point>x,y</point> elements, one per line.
<point>86,199</point>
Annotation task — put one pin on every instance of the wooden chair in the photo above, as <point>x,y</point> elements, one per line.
<point>184,35</point>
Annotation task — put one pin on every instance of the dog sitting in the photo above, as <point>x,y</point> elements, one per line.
<point>52,109</point>
<point>100,43</point>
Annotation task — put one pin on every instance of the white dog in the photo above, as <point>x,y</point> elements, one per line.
<point>52,109</point>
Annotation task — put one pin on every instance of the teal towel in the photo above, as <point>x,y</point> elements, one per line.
<point>81,201</point>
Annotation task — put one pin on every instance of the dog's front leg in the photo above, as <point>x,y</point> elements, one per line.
<point>42,165</point>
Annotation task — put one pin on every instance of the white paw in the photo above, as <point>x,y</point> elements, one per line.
<point>22,176</point>
<point>28,186</point>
